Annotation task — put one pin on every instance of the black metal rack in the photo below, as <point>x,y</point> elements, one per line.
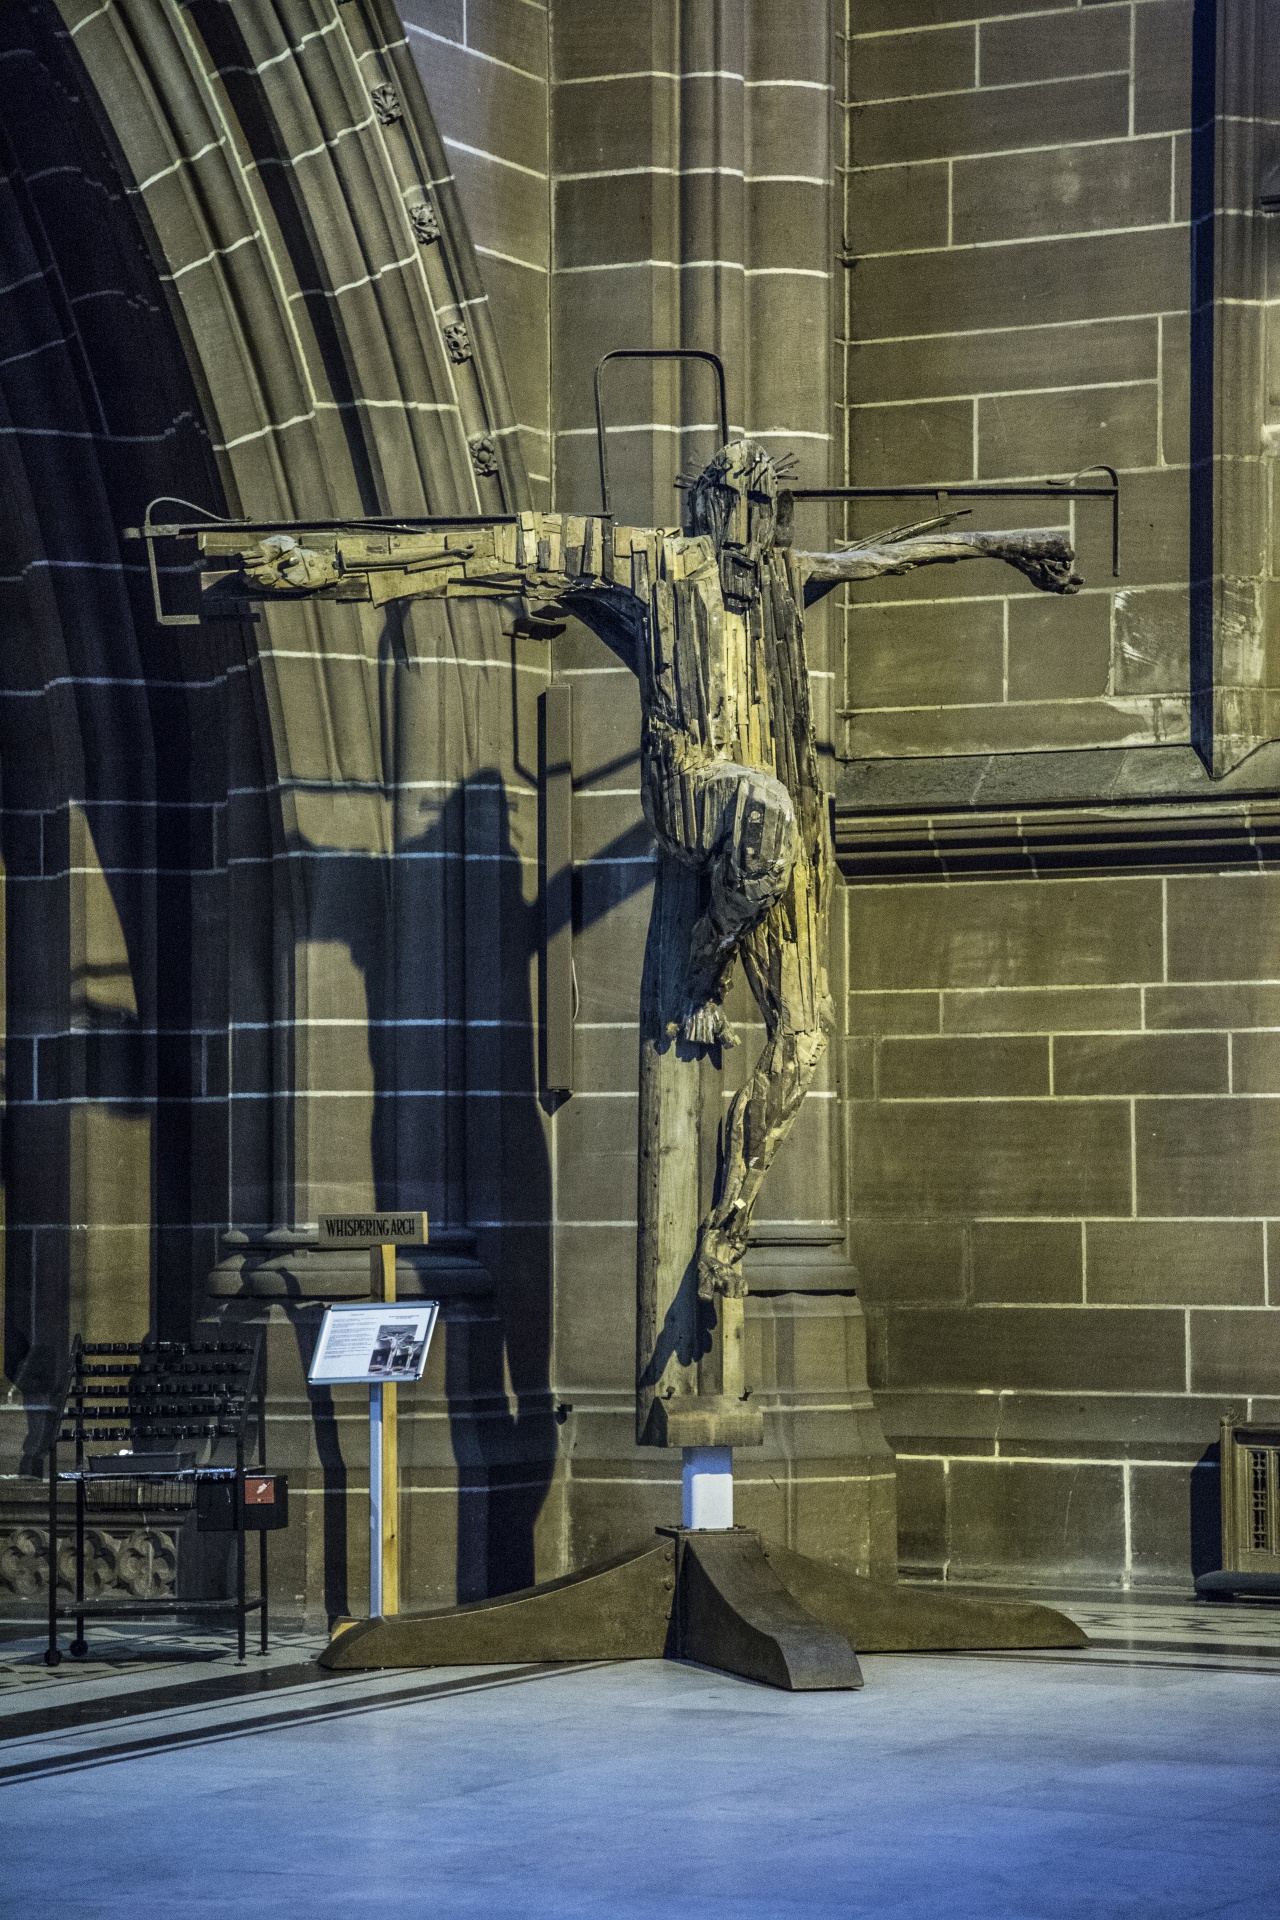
<point>173,1407</point>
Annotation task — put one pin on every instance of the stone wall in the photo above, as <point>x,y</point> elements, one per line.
<point>484,70</point>
<point>1065,1148</point>
<point>387,248</point>
<point>1064,1056</point>
<point>300,968</point>
<point>1017,207</point>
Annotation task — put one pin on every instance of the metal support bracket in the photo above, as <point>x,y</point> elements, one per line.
<point>713,360</point>
<point>153,530</point>
<point>557,990</point>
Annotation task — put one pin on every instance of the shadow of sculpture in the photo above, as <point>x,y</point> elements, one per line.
<point>444,940</point>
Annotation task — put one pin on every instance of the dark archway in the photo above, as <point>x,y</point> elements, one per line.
<point>113,734</point>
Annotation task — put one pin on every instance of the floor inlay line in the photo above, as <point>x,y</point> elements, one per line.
<point>213,1690</point>
<point>267,1723</point>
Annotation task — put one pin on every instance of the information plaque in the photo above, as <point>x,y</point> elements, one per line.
<point>373,1346</point>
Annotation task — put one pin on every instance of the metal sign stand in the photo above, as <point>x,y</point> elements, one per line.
<point>382,1233</point>
<point>384,1464</point>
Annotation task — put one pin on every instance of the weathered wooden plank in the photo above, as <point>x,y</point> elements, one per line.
<point>731,788</point>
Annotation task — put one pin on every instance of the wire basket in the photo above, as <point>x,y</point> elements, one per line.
<point>120,1483</point>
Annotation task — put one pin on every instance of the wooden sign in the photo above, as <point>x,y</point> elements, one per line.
<point>373,1229</point>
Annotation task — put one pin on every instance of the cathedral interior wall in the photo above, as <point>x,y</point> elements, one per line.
<point>1060,1122</point>
<point>276,937</point>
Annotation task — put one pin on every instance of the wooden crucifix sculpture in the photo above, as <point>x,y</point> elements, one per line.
<point>711,621</point>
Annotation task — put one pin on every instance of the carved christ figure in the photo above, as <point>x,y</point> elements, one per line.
<point>711,621</point>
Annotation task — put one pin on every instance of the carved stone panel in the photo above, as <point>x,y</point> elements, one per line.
<point>138,1563</point>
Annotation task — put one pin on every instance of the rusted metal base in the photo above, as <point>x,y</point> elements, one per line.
<point>734,1613</point>
<point>882,1616</point>
<point>618,1611</point>
<point>723,1599</point>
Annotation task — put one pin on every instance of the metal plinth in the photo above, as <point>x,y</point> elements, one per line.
<point>882,1616</point>
<point>734,1613</point>
<point>721,1598</point>
<point>618,1611</point>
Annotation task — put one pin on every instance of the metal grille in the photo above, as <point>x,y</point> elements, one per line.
<point>1250,1498</point>
<point>1259,1500</point>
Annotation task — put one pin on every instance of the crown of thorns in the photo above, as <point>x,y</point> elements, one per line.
<point>783,467</point>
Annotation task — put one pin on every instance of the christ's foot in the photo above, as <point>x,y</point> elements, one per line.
<point>719,1268</point>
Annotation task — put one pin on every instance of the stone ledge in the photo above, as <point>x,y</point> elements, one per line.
<point>808,1257</point>
<point>1149,836</point>
<point>287,1263</point>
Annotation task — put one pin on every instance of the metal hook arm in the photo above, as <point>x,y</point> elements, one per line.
<point>654,353</point>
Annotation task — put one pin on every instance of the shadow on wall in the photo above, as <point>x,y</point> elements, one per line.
<point>162,751</point>
<point>111,751</point>
<point>445,942</point>
<point>1205,1496</point>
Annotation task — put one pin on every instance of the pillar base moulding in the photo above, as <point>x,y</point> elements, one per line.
<point>286,1263</point>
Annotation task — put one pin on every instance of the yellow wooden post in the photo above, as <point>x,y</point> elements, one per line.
<point>383,1261</point>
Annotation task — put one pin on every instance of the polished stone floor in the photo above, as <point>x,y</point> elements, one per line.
<point>1138,1777</point>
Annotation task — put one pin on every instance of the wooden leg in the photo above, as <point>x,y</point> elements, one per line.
<point>262,1590</point>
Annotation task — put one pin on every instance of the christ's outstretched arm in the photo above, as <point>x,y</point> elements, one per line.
<point>1045,555</point>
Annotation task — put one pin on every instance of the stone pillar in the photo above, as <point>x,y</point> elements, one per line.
<point>737,257</point>
<point>1235,406</point>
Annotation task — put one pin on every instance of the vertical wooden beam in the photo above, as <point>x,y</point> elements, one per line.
<point>720,1370</point>
<point>670,1195</point>
<point>556,756</point>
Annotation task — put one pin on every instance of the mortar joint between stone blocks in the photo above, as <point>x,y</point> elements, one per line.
<point>1133,1159</point>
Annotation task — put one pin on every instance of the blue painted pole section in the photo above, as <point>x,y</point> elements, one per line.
<point>707,1488</point>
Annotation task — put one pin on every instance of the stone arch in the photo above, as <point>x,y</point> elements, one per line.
<point>262,203</point>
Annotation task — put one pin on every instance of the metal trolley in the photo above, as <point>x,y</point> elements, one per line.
<point>181,1412</point>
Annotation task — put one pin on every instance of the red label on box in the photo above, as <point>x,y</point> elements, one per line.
<point>259,1493</point>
